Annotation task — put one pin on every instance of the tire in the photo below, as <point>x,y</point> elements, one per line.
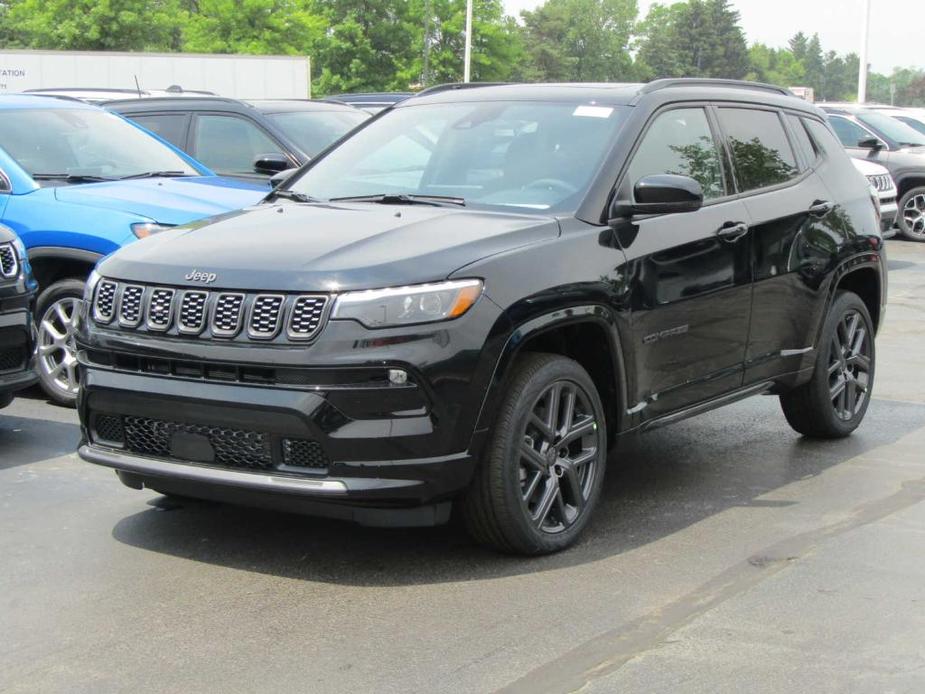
<point>833,402</point>
<point>56,359</point>
<point>5,400</point>
<point>911,217</point>
<point>504,506</point>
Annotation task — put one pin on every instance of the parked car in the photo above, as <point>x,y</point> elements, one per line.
<point>99,95</point>
<point>913,117</point>
<point>883,140</point>
<point>885,189</point>
<point>78,182</point>
<point>250,140</point>
<point>499,284</point>
<point>17,327</point>
<point>372,102</point>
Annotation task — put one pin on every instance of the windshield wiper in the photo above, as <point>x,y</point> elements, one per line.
<point>290,195</point>
<point>156,174</point>
<point>404,199</point>
<point>71,178</point>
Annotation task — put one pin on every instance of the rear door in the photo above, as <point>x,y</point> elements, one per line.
<point>689,275</point>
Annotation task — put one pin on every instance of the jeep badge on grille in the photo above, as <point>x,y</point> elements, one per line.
<point>199,276</point>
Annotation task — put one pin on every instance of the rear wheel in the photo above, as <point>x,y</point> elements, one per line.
<point>833,403</point>
<point>911,219</point>
<point>56,361</point>
<point>542,473</point>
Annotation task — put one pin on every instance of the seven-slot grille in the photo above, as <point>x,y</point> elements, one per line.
<point>265,315</point>
<point>9,264</point>
<point>220,314</point>
<point>882,182</point>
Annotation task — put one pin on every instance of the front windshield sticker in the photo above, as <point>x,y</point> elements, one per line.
<point>593,111</point>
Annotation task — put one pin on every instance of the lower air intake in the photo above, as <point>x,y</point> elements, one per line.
<point>304,453</point>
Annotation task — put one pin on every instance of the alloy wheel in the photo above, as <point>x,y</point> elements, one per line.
<point>849,366</point>
<point>57,351</point>
<point>559,457</point>
<point>914,214</point>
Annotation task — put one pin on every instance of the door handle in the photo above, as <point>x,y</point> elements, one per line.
<point>820,208</point>
<point>732,231</point>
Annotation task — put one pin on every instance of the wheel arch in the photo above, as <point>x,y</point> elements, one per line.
<point>909,181</point>
<point>863,277</point>
<point>53,263</point>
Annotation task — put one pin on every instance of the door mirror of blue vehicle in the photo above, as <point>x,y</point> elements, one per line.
<point>872,143</point>
<point>278,178</point>
<point>269,164</point>
<point>660,194</point>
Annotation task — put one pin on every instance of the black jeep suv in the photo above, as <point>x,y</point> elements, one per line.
<point>17,301</point>
<point>473,297</point>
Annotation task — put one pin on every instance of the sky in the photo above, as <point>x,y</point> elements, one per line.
<point>895,25</point>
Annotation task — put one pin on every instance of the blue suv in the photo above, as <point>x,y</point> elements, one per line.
<point>78,182</point>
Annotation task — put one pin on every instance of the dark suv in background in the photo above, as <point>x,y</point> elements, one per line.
<point>17,330</point>
<point>476,295</point>
<point>252,140</point>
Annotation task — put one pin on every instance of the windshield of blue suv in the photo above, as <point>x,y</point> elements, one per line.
<point>515,154</point>
<point>53,145</point>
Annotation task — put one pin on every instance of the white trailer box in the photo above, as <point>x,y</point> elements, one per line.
<point>240,76</point>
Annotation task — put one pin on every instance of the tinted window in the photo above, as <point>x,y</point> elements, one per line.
<point>680,142</point>
<point>170,126</point>
<point>230,145</point>
<point>759,146</point>
<point>312,131</point>
<point>848,132</point>
<point>822,136</point>
<point>803,144</point>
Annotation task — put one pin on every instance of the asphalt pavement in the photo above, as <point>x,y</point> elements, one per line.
<point>728,555</point>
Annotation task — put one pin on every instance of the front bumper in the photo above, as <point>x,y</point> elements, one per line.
<point>888,214</point>
<point>17,344</point>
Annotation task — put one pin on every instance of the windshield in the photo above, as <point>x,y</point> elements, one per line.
<point>892,128</point>
<point>914,123</point>
<point>83,142</point>
<point>312,131</point>
<point>518,154</point>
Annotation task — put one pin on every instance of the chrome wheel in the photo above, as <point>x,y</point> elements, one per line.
<point>559,457</point>
<point>914,215</point>
<point>849,366</point>
<point>57,351</point>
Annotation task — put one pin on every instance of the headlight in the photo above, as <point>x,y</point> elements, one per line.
<point>144,229</point>
<point>92,281</point>
<point>423,303</point>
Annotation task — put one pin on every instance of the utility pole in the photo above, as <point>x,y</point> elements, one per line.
<point>862,70</point>
<point>467,60</point>
<point>426,75</point>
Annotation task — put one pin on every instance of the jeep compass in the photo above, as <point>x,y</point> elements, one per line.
<point>474,297</point>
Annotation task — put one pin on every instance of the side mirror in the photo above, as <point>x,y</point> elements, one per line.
<point>269,164</point>
<point>278,178</point>
<point>873,143</point>
<point>661,194</point>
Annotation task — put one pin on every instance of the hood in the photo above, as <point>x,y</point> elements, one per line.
<point>166,200</point>
<point>327,247</point>
<point>869,168</point>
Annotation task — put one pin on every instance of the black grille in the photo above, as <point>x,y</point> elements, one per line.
<point>160,308</point>
<point>265,315</point>
<point>304,453</point>
<point>13,358</point>
<point>9,265</point>
<point>130,305</point>
<point>105,305</point>
<point>232,447</point>
<point>226,317</point>
<point>307,312</point>
<point>192,317</point>
<point>108,429</point>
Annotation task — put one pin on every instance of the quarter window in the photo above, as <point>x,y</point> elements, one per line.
<point>849,132</point>
<point>801,139</point>
<point>230,145</point>
<point>680,142</point>
<point>822,136</point>
<point>760,150</point>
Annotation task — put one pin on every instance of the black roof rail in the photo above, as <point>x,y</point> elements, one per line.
<point>665,83</point>
<point>449,86</point>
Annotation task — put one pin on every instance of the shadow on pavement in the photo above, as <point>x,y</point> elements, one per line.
<point>670,479</point>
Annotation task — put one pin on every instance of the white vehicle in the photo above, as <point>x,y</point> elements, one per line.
<point>882,182</point>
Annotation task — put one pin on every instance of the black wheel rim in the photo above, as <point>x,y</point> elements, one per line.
<point>849,366</point>
<point>559,457</point>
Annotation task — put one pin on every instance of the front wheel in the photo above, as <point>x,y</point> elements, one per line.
<point>834,401</point>
<point>911,219</point>
<point>56,361</point>
<point>542,473</point>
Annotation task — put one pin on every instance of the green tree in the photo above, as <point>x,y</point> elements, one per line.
<point>252,26</point>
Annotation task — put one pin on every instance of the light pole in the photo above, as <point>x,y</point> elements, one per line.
<point>468,57</point>
<point>862,70</point>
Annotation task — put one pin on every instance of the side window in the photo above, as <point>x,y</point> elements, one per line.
<point>230,145</point>
<point>849,132</point>
<point>680,142</point>
<point>801,139</point>
<point>760,150</point>
<point>170,126</point>
<point>822,136</point>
